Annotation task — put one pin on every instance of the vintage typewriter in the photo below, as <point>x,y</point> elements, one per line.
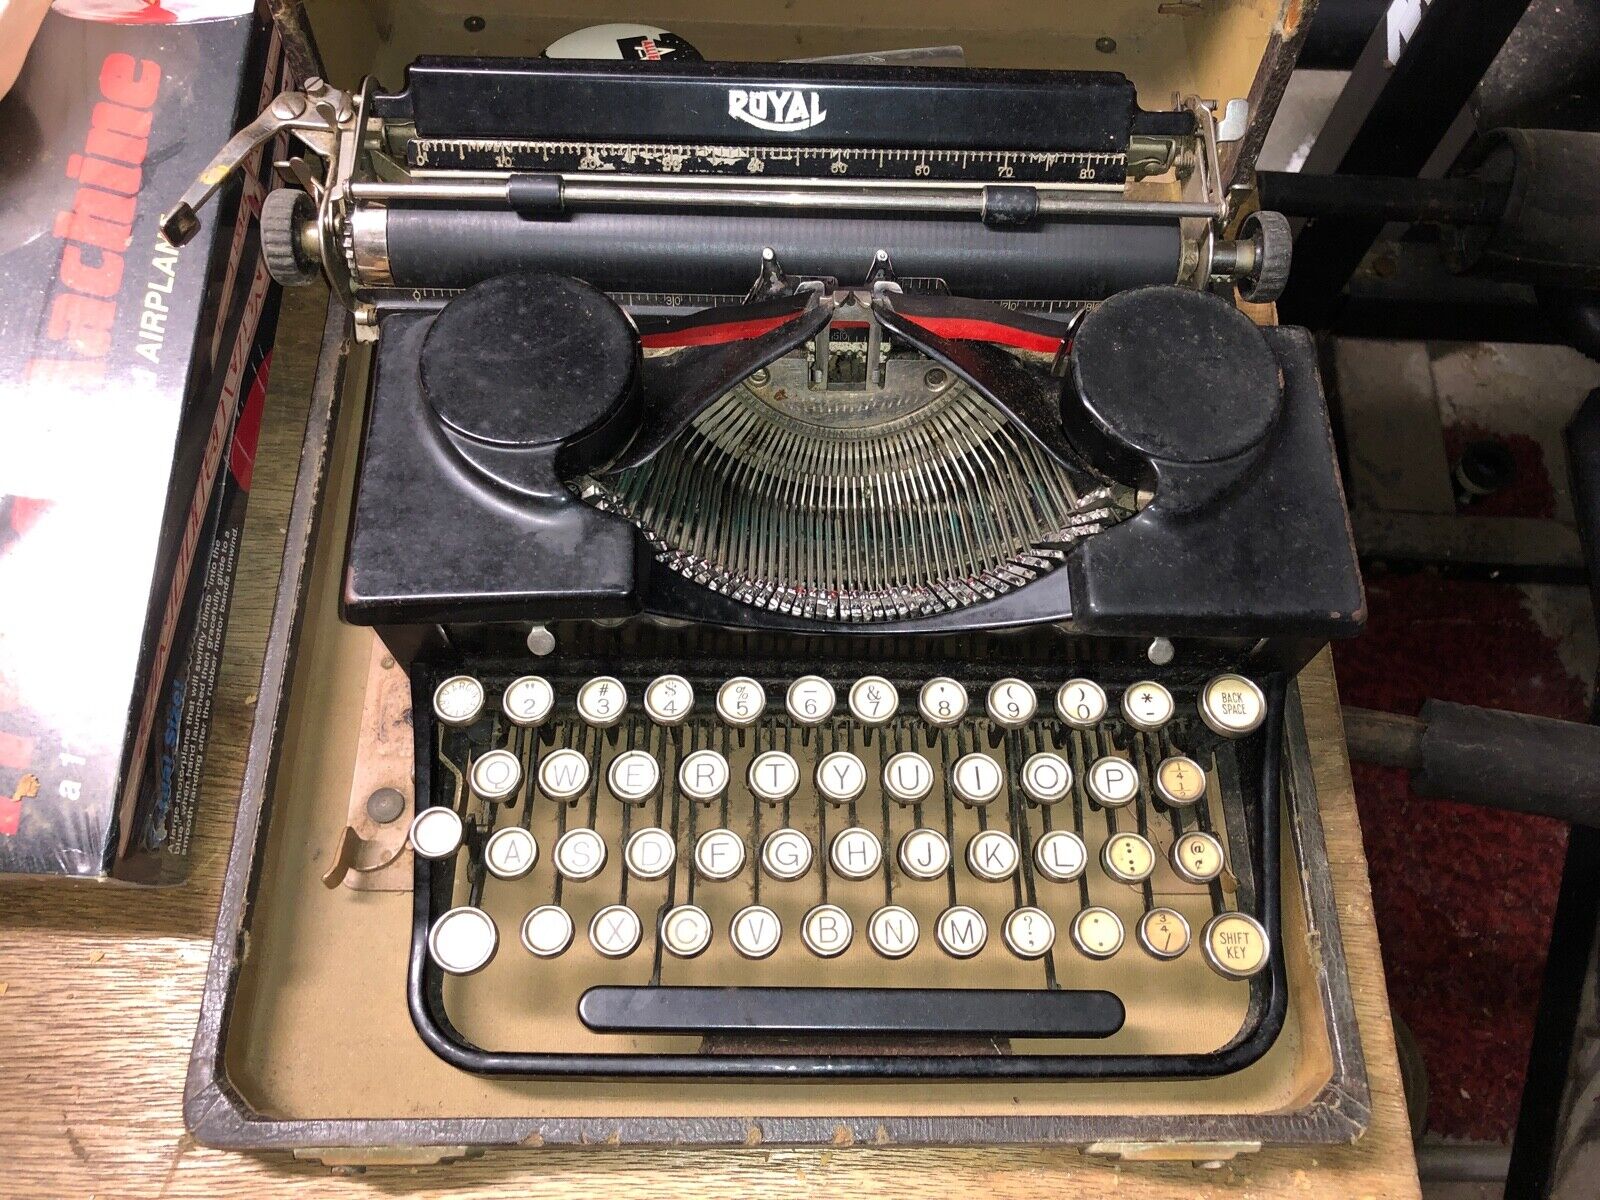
<point>850,553</point>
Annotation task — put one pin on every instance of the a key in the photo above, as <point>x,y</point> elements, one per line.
<point>1011,703</point>
<point>810,700</point>
<point>1180,781</point>
<point>827,930</point>
<point>649,853</point>
<point>615,931</point>
<point>841,777</point>
<point>1060,855</point>
<point>1081,703</point>
<point>579,854</point>
<point>1232,706</point>
<point>703,776</point>
<point>563,774</point>
<point>1046,778</point>
<point>977,779</point>
<point>463,940</point>
<point>908,778</point>
<point>435,832</point>
<point>1113,782</point>
<point>1235,945</point>
<point>855,853</point>
<point>961,931</point>
<point>992,855</point>
<point>1196,856</point>
<point>1097,932</point>
<point>1163,933</point>
<point>892,931</point>
<point>719,854</point>
<point>873,700</point>
<point>1128,858</point>
<point>510,853</point>
<point>547,931</point>
<point>1028,932</point>
<point>942,701</point>
<point>602,701</point>
<point>924,854</point>
<point>527,701</point>
<point>458,701</point>
<point>669,700</point>
<point>1147,705</point>
<point>495,775</point>
<point>755,931</point>
<point>741,701</point>
<point>634,776</point>
<point>786,854</point>
<point>686,930</point>
<point>774,776</point>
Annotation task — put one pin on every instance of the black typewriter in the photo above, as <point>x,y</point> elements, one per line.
<point>850,552</point>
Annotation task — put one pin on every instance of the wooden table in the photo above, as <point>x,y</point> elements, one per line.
<point>100,990</point>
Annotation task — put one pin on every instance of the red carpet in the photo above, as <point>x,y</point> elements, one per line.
<point>1464,895</point>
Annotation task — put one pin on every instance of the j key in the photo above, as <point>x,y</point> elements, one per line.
<point>924,854</point>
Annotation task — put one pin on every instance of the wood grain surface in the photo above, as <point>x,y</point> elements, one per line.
<point>100,989</point>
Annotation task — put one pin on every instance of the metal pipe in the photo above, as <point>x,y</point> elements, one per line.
<point>587,192</point>
<point>1382,198</point>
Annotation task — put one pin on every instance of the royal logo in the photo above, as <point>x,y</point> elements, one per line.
<point>780,112</point>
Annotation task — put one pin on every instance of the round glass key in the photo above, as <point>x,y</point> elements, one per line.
<point>686,930</point>
<point>495,774</point>
<point>826,930</point>
<point>1046,778</point>
<point>1197,857</point>
<point>892,930</point>
<point>669,700</point>
<point>703,775</point>
<point>1235,945</point>
<point>563,774</point>
<point>1147,705</point>
<point>741,701</point>
<point>1081,703</point>
<point>458,701</point>
<point>977,779</point>
<point>855,853</point>
<point>841,777</point>
<point>1060,855</point>
<point>602,701</point>
<point>873,700</point>
<point>1011,703</point>
<point>908,778</point>
<point>924,854</point>
<point>579,854</point>
<point>755,931</point>
<point>1097,932</point>
<point>463,940</point>
<point>786,854</point>
<point>633,776</point>
<point>615,931</point>
<point>527,701</point>
<point>1180,781</point>
<point>1029,932</point>
<point>1128,858</point>
<point>547,931</point>
<point>961,931</point>
<point>992,855</point>
<point>649,853</point>
<point>810,700</point>
<point>1164,933</point>
<point>942,701</point>
<point>435,832</point>
<point>1113,782</point>
<point>774,776</point>
<point>1232,706</point>
<point>719,854</point>
<point>510,853</point>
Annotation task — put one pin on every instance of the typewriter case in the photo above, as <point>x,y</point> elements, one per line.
<point>305,1042</point>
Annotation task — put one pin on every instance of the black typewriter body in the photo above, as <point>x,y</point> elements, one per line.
<point>850,559</point>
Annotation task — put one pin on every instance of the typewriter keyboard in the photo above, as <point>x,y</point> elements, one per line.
<point>658,862</point>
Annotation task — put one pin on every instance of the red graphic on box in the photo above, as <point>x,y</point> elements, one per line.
<point>11,806</point>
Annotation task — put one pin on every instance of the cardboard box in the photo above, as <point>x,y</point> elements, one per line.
<point>131,381</point>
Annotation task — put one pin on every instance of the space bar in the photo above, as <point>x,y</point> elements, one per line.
<point>989,1011</point>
